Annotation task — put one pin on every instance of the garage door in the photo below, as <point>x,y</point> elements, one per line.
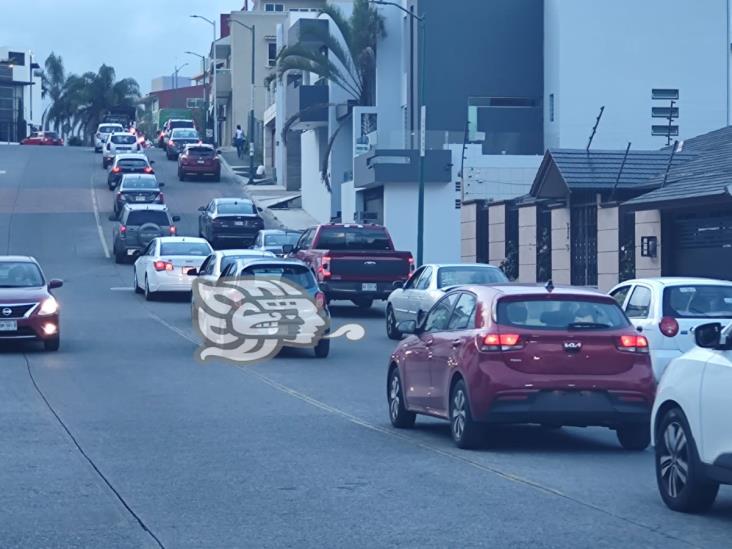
<point>701,246</point>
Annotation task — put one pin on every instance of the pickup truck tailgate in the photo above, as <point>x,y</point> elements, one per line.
<point>369,267</point>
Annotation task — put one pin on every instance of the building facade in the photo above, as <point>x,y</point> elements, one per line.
<point>21,108</point>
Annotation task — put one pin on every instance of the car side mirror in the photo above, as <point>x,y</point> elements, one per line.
<point>407,327</point>
<point>151,162</point>
<point>55,283</point>
<point>398,285</point>
<point>288,248</point>
<point>708,336</point>
<point>176,218</point>
<point>161,184</point>
<point>202,209</point>
<point>192,272</point>
<point>259,209</point>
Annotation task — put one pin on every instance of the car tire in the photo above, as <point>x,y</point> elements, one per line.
<point>52,344</point>
<point>149,295</point>
<point>635,437</point>
<point>322,349</point>
<point>466,432</point>
<point>135,283</point>
<point>363,303</point>
<point>400,417</point>
<point>391,330</point>
<point>181,175</point>
<point>698,493</point>
<point>217,178</point>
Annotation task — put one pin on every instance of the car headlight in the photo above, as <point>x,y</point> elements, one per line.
<point>49,307</point>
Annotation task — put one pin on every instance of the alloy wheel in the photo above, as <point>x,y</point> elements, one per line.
<point>458,414</point>
<point>674,459</point>
<point>395,397</point>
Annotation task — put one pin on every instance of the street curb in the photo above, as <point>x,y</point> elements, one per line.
<point>266,212</point>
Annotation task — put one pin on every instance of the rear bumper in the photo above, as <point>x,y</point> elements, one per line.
<point>247,236</point>
<point>33,329</point>
<point>200,170</point>
<point>336,289</point>
<point>574,408</point>
<point>171,283</point>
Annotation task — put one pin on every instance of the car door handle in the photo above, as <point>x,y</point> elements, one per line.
<point>456,342</point>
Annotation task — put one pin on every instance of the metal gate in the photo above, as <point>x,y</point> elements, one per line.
<point>583,242</point>
<point>701,246</point>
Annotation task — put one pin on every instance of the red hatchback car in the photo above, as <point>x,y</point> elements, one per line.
<point>200,159</point>
<point>28,311</point>
<point>42,138</point>
<point>523,354</point>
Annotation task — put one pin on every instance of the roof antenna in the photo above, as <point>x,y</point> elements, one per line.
<point>549,286</point>
<point>670,161</point>
<point>594,129</point>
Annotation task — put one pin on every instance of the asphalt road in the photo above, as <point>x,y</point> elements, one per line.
<point>122,439</point>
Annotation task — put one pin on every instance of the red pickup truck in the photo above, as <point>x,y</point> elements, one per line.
<point>356,262</point>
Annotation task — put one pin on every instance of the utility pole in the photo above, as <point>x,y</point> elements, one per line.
<point>214,68</point>
<point>251,100</point>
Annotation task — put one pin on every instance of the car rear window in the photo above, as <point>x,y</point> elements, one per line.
<point>132,163</point>
<point>200,249</point>
<point>298,274</point>
<point>230,259</point>
<point>185,134</point>
<point>353,238</point>
<point>560,314</point>
<point>51,135</point>
<point>139,183</point>
<point>280,239</point>
<point>141,217</point>
<point>205,152</point>
<point>182,124</point>
<point>109,128</point>
<point>453,276</point>
<point>123,139</point>
<point>698,301</point>
<point>243,207</point>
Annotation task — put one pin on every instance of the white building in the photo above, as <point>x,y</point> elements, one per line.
<point>20,93</point>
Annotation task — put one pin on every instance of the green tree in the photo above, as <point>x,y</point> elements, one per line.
<point>346,58</point>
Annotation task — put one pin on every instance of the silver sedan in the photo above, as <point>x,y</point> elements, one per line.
<point>428,284</point>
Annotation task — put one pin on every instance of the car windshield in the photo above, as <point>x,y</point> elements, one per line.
<point>20,274</point>
<point>139,183</point>
<point>185,248</point>
<point>110,128</point>
<point>243,207</point>
<point>123,139</point>
<point>559,313</point>
<point>453,276</point>
<point>201,151</point>
<point>156,217</point>
<point>698,301</point>
<point>280,239</point>
<point>353,238</point>
<point>51,135</point>
<point>131,163</point>
<point>181,124</point>
<point>298,274</point>
<point>184,134</point>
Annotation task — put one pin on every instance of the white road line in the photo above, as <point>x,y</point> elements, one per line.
<point>97,218</point>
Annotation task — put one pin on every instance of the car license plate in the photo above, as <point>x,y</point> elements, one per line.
<point>200,162</point>
<point>239,223</point>
<point>368,287</point>
<point>140,198</point>
<point>8,325</point>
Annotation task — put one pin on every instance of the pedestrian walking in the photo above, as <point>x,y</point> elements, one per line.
<point>239,141</point>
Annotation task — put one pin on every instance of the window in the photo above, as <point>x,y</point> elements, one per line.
<point>20,274</point>
<point>123,139</point>
<point>16,58</point>
<point>463,317</point>
<point>354,238</point>
<point>185,248</point>
<point>560,314</point>
<point>271,54</point>
<point>414,278</point>
<point>139,182</point>
<point>244,207</point>
<point>140,217</point>
<point>551,107</point>
<point>702,301</point>
<point>280,239</point>
<point>620,294</point>
<point>194,103</point>
<point>664,93</point>
<point>473,274</point>
<point>639,304</point>
<point>439,316</point>
<point>207,266</point>
<point>297,274</point>
<point>306,240</point>
<point>274,7</point>
<point>132,163</point>
<point>424,281</point>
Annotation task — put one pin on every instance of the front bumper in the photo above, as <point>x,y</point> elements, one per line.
<point>32,328</point>
<point>336,289</point>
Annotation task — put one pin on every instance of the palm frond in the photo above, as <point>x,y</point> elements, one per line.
<point>328,149</point>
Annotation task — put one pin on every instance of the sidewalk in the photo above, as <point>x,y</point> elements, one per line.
<point>275,200</point>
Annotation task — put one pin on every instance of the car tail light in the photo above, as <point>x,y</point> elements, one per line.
<point>320,300</point>
<point>172,229</point>
<point>163,266</point>
<point>116,169</point>
<point>411,264</point>
<point>122,229</point>
<point>500,342</point>
<point>669,326</point>
<point>324,269</point>
<point>633,343</point>
<point>148,169</point>
<point>171,142</point>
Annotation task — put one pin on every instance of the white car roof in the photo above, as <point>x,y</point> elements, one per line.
<point>164,239</point>
<point>678,281</point>
<point>123,133</point>
<point>125,156</point>
<point>155,207</point>
<point>479,265</point>
<point>259,253</point>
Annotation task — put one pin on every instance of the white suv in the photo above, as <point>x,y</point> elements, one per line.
<point>667,309</point>
<point>119,143</point>
<point>103,132</point>
<point>690,422</point>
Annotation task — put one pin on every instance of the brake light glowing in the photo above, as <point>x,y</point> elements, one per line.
<point>633,344</point>
<point>171,142</point>
<point>669,326</point>
<point>163,266</point>
<point>116,169</point>
<point>172,229</point>
<point>320,300</point>
<point>122,229</point>
<point>500,342</point>
<point>148,169</point>
<point>324,269</point>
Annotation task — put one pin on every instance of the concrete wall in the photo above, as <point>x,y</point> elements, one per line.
<point>527,244</point>
<point>348,202</point>
<point>561,246</point>
<point>315,197</point>
<point>468,232</point>
<point>497,234</point>
<point>613,53</point>
<point>647,223</point>
<point>607,248</point>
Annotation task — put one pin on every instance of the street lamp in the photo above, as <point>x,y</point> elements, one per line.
<point>203,63</point>
<point>423,119</point>
<point>251,104</point>
<point>213,45</point>
<point>176,70</point>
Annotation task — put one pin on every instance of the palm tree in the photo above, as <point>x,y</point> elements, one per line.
<point>52,82</point>
<point>346,59</point>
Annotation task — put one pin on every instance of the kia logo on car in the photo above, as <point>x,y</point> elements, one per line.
<point>7,311</point>
<point>572,346</point>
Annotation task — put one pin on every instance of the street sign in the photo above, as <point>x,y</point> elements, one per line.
<point>422,130</point>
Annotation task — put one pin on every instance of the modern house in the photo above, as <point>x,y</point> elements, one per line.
<point>21,109</point>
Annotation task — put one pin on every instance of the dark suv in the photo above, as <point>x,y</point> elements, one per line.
<point>139,225</point>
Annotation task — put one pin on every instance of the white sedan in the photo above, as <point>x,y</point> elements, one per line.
<point>215,263</point>
<point>165,263</point>
<point>667,309</point>
<point>426,286</point>
<point>690,422</point>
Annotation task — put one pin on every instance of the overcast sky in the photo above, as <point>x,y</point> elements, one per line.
<point>140,39</point>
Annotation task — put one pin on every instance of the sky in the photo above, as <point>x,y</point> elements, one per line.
<point>140,39</point>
